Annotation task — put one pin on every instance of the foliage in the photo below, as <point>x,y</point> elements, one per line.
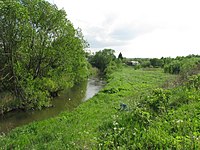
<point>158,101</point>
<point>164,119</point>
<point>40,51</point>
<point>145,63</point>
<point>155,62</point>
<point>102,59</point>
<point>113,66</point>
<point>194,82</point>
<point>174,67</point>
<point>156,118</point>
<point>182,65</point>
<point>84,127</point>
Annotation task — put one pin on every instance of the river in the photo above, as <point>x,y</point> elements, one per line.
<point>66,101</point>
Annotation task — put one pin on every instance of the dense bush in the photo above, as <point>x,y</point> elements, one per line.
<point>194,82</point>
<point>173,67</point>
<point>182,65</point>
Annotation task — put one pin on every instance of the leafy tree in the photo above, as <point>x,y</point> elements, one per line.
<point>101,59</point>
<point>155,62</point>
<point>166,60</point>
<point>174,67</point>
<point>40,51</point>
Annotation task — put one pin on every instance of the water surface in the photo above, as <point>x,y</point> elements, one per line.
<point>67,101</point>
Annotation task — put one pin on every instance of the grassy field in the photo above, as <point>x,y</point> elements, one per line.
<point>120,116</point>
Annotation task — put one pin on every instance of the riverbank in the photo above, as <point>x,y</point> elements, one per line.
<point>7,102</point>
<point>131,112</point>
<point>83,127</point>
<point>67,100</point>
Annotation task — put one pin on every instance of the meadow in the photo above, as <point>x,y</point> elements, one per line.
<point>102,122</point>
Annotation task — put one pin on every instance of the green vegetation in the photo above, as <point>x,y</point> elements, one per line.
<point>40,53</point>
<point>105,61</point>
<point>183,65</point>
<point>92,124</point>
<point>171,65</point>
<point>138,109</point>
<point>166,118</point>
<point>153,105</point>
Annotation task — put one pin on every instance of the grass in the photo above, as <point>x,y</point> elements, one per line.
<point>161,119</point>
<point>96,123</point>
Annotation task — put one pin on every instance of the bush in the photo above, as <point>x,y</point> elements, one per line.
<point>194,82</point>
<point>158,101</point>
<point>174,67</point>
<point>102,59</point>
<point>183,66</point>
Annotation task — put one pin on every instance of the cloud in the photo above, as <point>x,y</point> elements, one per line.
<point>129,31</point>
<point>142,28</point>
<point>114,31</point>
<point>101,38</point>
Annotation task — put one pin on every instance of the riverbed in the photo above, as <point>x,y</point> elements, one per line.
<point>67,100</point>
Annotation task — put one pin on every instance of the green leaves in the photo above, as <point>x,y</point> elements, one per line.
<point>194,82</point>
<point>184,66</point>
<point>159,100</point>
<point>102,59</point>
<point>37,41</point>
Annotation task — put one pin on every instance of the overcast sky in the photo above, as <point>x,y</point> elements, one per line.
<point>138,28</point>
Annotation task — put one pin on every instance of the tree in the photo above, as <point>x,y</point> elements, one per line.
<point>120,56</point>
<point>155,62</point>
<point>101,59</point>
<point>40,51</point>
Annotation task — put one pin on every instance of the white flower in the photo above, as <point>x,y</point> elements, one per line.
<point>179,121</point>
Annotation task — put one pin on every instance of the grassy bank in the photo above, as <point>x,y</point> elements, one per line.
<point>95,123</point>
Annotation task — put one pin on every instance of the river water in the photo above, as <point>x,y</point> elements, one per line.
<point>66,101</point>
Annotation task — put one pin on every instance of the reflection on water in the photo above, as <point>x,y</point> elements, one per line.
<point>93,87</point>
<point>67,100</point>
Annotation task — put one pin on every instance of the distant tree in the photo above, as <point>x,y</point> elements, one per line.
<point>183,65</point>
<point>145,63</point>
<point>120,56</point>
<point>155,62</point>
<point>101,59</point>
<point>174,67</point>
<point>166,60</point>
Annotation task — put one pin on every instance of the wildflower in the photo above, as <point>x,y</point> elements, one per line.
<point>115,123</point>
<point>179,121</point>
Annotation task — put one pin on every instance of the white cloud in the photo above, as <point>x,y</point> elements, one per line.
<point>138,28</point>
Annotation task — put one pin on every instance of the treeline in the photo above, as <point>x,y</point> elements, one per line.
<point>41,53</point>
<point>106,61</point>
<point>178,65</point>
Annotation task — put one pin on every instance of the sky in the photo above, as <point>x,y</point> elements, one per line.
<point>137,28</point>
